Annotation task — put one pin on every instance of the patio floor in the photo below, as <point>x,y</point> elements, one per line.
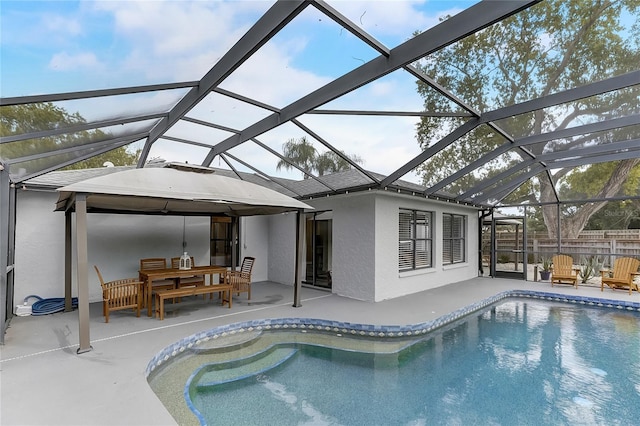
<point>44,382</point>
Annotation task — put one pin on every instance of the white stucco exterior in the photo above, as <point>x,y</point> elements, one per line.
<point>115,245</point>
<point>363,250</point>
<point>365,245</point>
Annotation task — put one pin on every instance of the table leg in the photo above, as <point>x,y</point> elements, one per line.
<point>149,297</point>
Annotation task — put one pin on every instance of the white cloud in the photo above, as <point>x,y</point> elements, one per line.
<point>390,18</point>
<point>177,41</point>
<point>63,26</point>
<point>64,61</point>
<point>270,76</point>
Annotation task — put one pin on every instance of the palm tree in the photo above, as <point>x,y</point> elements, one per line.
<point>302,153</point>
<point>330,162</point>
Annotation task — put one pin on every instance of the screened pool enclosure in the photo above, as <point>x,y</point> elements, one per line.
<point>529,109</point>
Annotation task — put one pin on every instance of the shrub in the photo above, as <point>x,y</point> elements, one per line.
<point>589,267</point>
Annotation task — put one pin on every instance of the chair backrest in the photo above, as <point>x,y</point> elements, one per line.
<point>247,265</point>
<point>99,276</point>
<point>175,262</point>
<point>623,266</point>
<point>153,263</point>
<point>562,264</point>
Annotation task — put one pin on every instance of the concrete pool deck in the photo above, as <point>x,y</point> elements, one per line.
<point>44,382</point>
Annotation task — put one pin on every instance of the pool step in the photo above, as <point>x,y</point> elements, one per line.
<point>230,343</point>
<point>214,374</point>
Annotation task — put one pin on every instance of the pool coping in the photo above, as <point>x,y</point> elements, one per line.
<point>372,330</point>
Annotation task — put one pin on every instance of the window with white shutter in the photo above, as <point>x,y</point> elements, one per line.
<point>415,243</point>
<point>453,238</point>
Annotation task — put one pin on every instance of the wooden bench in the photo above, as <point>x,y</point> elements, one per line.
<point>161,295</point>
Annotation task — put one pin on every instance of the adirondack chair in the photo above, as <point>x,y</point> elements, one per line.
<point>241,280</point>
<point>624,271</point>
<point>562,270</point>
<point>120,294</point>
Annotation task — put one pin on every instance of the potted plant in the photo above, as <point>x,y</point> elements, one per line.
<point>545,273</point>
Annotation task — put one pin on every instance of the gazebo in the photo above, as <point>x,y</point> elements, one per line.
<point>171,190</point>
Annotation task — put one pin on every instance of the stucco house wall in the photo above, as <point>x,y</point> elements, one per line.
<point>254,241</point>
<point>281,248</point>
<point>409,282</point>
<point>115,245</point>
<point>364,247</point>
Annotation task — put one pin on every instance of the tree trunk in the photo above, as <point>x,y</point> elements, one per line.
<point>571,226</point>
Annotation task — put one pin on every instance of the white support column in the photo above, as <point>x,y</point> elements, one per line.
<point>297,286</point>
<point>82,273</point>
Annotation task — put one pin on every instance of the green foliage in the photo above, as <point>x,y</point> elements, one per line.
<point>586,182</point>
<point>589,267</point>
<point>302,153</point>
<point>42,117</point>
<point>553,46</point>
<point>616,215</point>
<point>118,157</point>
<point>546,263</point>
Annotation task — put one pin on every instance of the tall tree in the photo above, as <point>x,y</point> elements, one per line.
<point>32,118</point>
<point>302,153</point>
<point>553,46</point>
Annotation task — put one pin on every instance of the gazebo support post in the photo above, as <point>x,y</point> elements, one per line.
<point>68,303</point>
<point>297,286</point>
<point>82,273</point>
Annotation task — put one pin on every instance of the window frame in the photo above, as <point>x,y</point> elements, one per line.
<point>451,241</point>
<point>417,259</point>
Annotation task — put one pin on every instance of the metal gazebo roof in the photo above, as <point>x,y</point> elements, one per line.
<point>176,191</point>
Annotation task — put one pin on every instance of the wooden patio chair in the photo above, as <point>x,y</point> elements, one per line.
<point>624,271</point>
<point>120,294</point>
<point>241,280</point>
<point>157,263</point>
<point>194,281</point>
<point>562,270</point>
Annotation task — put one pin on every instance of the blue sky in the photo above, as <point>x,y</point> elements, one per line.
<point>55,46</point>
<point>63,46</point>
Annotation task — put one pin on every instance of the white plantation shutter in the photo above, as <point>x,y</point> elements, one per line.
<point>405,248</point>
<point>414,246</point>
<point>453,238</point>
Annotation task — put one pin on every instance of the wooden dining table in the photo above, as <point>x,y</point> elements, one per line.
<point>149,275</point>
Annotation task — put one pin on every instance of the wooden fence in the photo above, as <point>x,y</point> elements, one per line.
<point>606,244</point>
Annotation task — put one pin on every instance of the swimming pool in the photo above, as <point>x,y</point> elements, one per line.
<point>518,362</point>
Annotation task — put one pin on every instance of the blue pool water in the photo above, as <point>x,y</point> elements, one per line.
<point>520,362</point>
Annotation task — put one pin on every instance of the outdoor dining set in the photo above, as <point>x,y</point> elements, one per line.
<point>159,281</point>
